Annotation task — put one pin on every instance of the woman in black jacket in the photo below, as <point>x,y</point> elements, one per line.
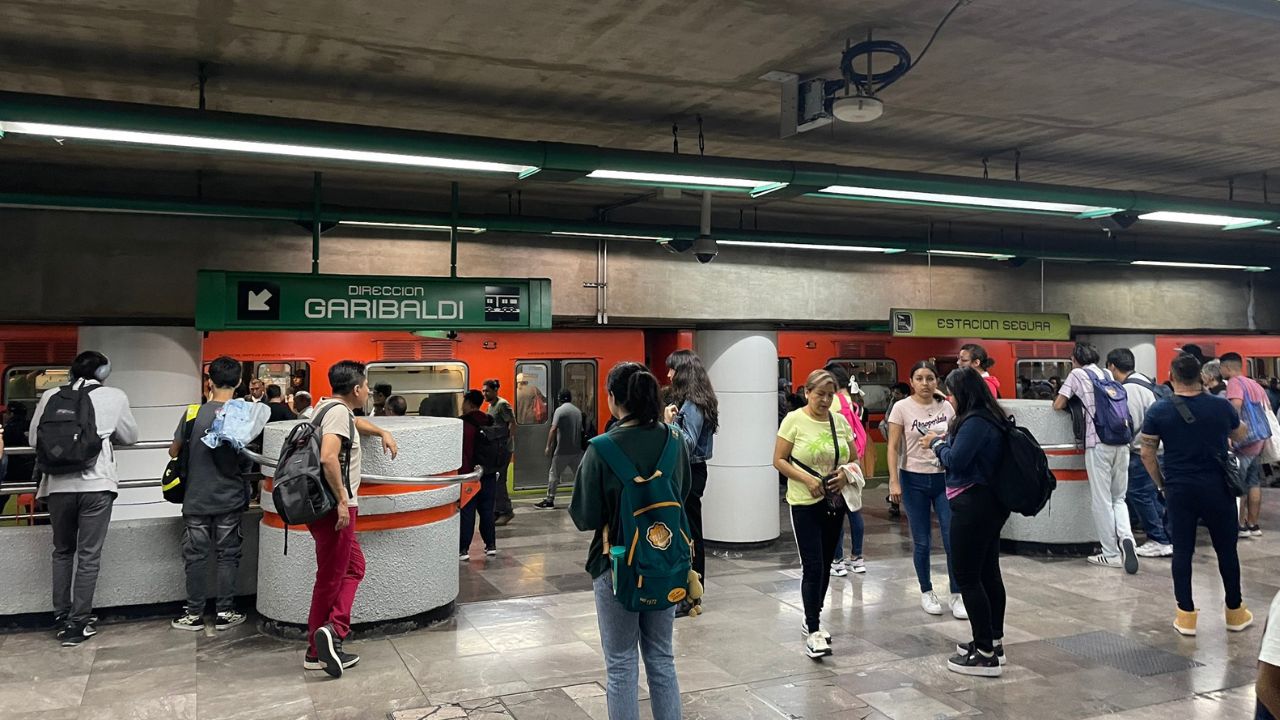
<point>970,452</point>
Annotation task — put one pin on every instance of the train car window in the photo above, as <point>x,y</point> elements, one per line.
<point>579,378</point>
<point>1040,379</point>
<point>292,376</point>
<point>1263,369</point>
<point>27,384</point>
<point>531,394</point>
<point>874,377</point>
<point>432,389</point>
<point>784,370</point>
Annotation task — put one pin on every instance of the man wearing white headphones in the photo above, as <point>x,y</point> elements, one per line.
<point>79,482</point>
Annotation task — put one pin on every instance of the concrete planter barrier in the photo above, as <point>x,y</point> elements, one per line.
<point>1066,523</point>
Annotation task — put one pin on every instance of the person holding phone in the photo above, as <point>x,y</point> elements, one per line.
<point>918,481</point>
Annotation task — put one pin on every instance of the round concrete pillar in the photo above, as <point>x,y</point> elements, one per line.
<point>159,369</point>
<point>741,501</point>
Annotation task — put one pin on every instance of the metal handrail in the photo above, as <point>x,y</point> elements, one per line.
<point>140,445</point>
<point>29,487</point>
<point>388,479</point>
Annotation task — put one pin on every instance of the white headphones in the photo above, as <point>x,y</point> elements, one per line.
<point>104,370</point>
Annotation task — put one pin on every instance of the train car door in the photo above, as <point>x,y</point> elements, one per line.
<point>538,383</point>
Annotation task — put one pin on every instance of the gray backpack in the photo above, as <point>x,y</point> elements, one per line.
<point>300,492</point>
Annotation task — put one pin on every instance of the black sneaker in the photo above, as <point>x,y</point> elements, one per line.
<point>967,648</point>
<point>327,651</point>
<point>975,663</point>
<point>345,658</point>
<point>61,619</point>
<point>74,634</point>
<point>491,551</point>
<point>228,619</point>
<point>546,504</point>
<point>1130,555</point>
<point>187,621</point>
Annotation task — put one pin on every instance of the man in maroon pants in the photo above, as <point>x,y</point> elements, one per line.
<point>339,560</point>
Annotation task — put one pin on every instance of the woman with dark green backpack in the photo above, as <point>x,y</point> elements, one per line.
<point>636,557</point>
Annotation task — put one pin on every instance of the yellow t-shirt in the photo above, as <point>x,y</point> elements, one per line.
<point>814,447</point>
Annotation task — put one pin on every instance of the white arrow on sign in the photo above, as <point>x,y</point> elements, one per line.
<point>258,301</point>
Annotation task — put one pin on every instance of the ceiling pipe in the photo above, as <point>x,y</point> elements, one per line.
<point>547,226</point>
<point>562,162</point>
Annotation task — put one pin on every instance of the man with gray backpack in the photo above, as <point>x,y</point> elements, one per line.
<point>317,483</point>
<point>1108,432</point>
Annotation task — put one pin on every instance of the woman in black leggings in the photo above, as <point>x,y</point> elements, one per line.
<point>813,442</point>
<point>970,452</point>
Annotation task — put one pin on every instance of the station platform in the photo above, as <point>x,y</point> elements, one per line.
<point>1082,642</point>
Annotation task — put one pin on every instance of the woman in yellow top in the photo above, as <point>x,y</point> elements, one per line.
<point>812,443</point>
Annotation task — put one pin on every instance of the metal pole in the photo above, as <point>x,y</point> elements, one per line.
<point>453,229</point>
<point>315,224</point>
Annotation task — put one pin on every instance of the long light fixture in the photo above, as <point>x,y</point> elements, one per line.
<point>1200,266</point>
<point>414,226</point>
<point>811,246</point>
<point>755,187</point>
<point>1226,222</point>
<point>618,236</point>
<point>968,254</point>
<point>196,142</point>
<point>911,196</point>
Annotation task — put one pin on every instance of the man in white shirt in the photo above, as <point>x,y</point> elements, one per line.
<point>1106,465</point>
<point>80,500</point>
<point>1141,494</point>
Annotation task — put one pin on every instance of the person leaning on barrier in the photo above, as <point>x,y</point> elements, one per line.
<point>212,506</point>
<point>80,501</point>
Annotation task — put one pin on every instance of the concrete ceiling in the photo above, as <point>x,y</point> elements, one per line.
<point>1170,96</point>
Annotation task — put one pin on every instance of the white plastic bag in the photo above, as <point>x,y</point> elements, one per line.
<point>1271,449</point>
<point>854,482</point>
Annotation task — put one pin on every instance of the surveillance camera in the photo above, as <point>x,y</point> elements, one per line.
<point>705,249</point>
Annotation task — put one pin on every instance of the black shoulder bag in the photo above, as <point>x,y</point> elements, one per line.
<point>1229,463</point>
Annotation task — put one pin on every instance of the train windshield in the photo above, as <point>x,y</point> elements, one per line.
<point>27,384</point>
<point>429,388</point>
<point>874,377</point>
<point>1040,379</point>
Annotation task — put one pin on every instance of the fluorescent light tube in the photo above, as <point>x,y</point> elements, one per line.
<point>260,148</point>
<point>968,254</point>
<point>668,179</point>
<point>414,226</point>
<point>618,236</point>
<point>1201,266</point>
<point>1224,221</point>
<point>976,201</point>
<point>811,246</point>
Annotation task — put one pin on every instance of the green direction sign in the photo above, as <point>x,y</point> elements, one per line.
<point>988,325</point>
<point>295,301</point>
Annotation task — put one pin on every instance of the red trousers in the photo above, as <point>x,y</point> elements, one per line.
<point>339,570</point>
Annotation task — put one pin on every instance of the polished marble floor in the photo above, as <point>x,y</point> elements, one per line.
<point>524,645</point>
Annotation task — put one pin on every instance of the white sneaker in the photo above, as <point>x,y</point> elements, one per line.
<point>804,632</point>
<point>929,601</point>
<point>957,607</point>
<point>1105,561</point>
<point>857,565</point>
<point>838,569</point>
<point>816,646</point>
<point>1151,549</point>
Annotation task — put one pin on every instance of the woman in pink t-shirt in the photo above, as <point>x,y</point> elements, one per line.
<point>918,481</point>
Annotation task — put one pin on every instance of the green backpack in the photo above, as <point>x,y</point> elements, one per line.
<point>651,566</point>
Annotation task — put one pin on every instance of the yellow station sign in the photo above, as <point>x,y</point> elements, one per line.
<point>974,324</point>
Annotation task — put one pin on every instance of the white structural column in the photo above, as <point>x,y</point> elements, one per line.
<point>741,501</point>
<point>159,369</point>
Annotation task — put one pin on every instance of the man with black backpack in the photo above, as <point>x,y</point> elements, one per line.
<point>213,502</point>
<point>73,428</point>
<point>1108,431</point>
<point>481,445</point>
<point>339,560</point>
<point>1142,495</point>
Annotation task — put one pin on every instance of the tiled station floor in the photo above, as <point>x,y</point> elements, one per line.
<point>524,645</point>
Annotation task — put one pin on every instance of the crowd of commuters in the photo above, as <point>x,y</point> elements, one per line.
<point>1172,461</point>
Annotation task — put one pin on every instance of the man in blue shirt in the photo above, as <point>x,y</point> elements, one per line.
<point>1194,427</point>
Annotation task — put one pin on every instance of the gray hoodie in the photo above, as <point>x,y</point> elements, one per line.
<point>115,423</point>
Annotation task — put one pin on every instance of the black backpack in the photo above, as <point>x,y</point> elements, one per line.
<point>490,450</point>
<point>67,438</point>
<point>1160,391</point>
<point>173,484</point>
<point>299,490</point>
<point>1022,481</point>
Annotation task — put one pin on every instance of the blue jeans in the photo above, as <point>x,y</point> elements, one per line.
<point>859,529</point>
<point>1146,501</point>
<point>920,493</point>
<point>625,637</point>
